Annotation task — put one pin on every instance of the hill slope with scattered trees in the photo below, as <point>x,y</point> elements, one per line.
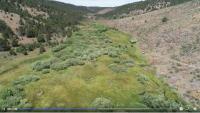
<point>141,7</point>
<point>39,21</point>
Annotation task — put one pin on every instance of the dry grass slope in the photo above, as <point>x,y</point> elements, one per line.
<point>172,45</point>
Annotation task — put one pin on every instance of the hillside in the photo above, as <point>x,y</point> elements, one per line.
<point>170,39</point>
<point>141,7</point>
<point>34,23</point>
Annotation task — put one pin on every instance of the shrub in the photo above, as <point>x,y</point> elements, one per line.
<point>59,66</point>
<point>42,50</point>
<point>26,79</point>
<point>117,60</point>
<point>41,38</point>
<point>12,52</point>
<point>14,42</point>
<point>21,49</point>
<point>45,71</point>
<point>128,63</point>
<point>142,79</point>
<point>160,102</point>
<point>30,47</point>
<point>101,28</point>
<point>113,53</point>
<point>14,96</point>
<point>25,53</point>
<point>66,64</point>
<point>4,45</point>
<point>117,68</point>
<point>59,48</point>
<point>31,32</point>
<point>164,19</point>
<point>11,97</point>
<point>102,103</point>
<point>74,62</point>
<point>39,66</point>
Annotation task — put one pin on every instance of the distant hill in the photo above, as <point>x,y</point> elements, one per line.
<point>95,9</point>
<point>36,21</point>
<point>141,7</point>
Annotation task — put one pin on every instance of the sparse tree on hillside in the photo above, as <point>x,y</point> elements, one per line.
<point>164,19</point>
<point>42,49</point>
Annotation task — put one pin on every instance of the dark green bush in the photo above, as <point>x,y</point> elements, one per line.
<point>12,52</point>
<point>21,49</point>
<point>42,50</point>
<point>41,38</point>
<point>4,45</point>
<point>30,47</point>
<point>14,42</point>
<point>164,19</point>
<point>25,53</point>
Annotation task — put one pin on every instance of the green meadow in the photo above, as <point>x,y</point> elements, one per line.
<point>97,67</point>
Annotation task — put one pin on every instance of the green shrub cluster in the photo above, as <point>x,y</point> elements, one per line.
<point>59,66</point>
<point>14,96</point>
<point>143,79</point>
<point>11,97</point>
<point>85,46</point>
<point>102,103</point>
<point>56,64</point>
<point>117,68</point>
<point>160,102</point>
<point>100,28</point>
<point>121,65</point>
<point>39,66</point>
<point>66,64</point>
<point>128,63</point>
<point>26,79</point>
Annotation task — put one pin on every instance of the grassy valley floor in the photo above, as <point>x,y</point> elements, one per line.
<point>97,67</point>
